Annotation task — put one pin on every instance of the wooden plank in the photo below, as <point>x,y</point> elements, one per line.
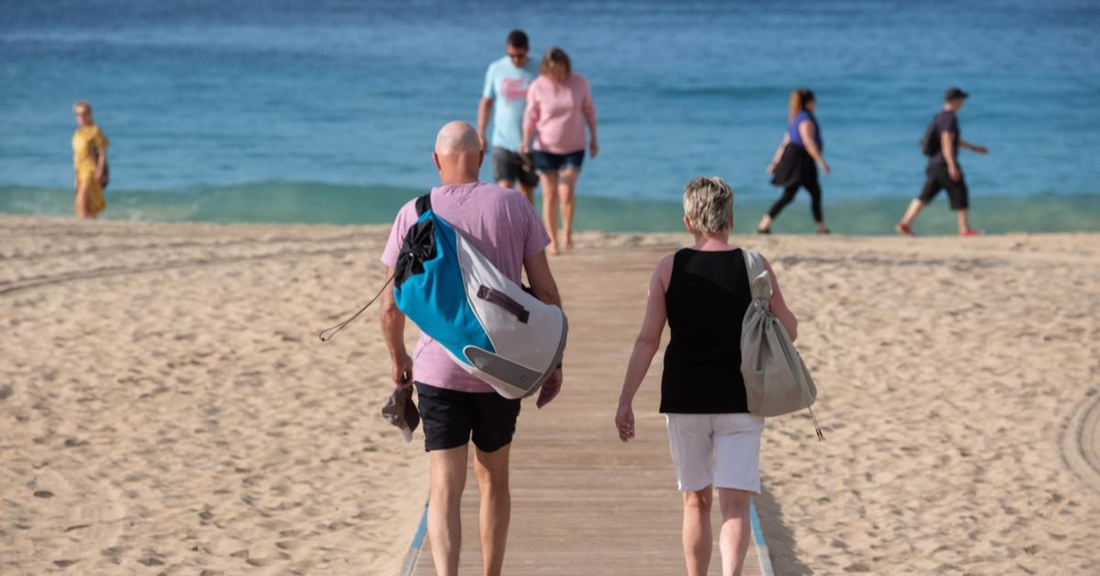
<point>582,501</point>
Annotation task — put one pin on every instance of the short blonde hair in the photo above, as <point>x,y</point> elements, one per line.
<point>82,104</point>
<point>708,204</point>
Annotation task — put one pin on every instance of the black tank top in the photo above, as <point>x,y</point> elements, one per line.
<point>706,300</point>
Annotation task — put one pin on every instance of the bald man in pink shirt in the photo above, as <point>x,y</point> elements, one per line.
<point>559,104</point>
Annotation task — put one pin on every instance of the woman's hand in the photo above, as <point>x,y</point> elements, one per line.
<point>624,421</point>
<point>595,148</point>
<point>524,148</point>
<point>771,167</point>
<point>825,167</point>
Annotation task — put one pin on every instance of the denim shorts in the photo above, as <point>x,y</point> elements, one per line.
<point>550,162</point>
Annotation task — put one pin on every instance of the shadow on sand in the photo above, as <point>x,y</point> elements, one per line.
<point>779,536</point>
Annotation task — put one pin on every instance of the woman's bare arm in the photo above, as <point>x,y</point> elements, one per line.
<point>809,141</point>
<point>645,347</point>
<point>779,153</point>
<point>779,305</point>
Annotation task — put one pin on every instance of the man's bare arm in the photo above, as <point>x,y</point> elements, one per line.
<point>393,331</point>
<point>546,290</point>
<point>541,279</point>
<point>484,108</point>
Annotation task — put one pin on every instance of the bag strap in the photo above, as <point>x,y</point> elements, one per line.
<point>760,283</point>
<point>424,204</point>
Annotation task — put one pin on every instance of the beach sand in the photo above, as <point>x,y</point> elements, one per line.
<point>165,406</point>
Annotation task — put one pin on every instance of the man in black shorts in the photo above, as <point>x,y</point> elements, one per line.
<point>504,98</point>
<point>455,406</point>
<point>941,144</point>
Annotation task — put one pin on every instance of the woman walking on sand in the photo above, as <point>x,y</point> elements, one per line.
<point>559,104</point>
<point>703,294</point>
<point>795,162</point>
<point>89,163</point>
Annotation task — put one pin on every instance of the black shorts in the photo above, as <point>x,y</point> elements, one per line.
<point>513,167</point>
<point>550,162</point>
<point>939,179</point>
<point>451,416</point>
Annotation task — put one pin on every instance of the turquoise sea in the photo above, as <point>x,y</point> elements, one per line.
<point>325,111</point>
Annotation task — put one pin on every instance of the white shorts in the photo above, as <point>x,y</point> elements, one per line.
<point>718,449</point>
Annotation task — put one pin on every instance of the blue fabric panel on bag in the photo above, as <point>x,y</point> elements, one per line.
<point>436,299</point>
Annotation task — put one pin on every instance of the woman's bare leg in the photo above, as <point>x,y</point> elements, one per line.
<point>568,189</point>
<point>697,535</point>
<point>733,540</point>
<point>550,208</point>
<point>83,201</point>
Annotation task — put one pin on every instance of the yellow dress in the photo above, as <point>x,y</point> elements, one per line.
<point>88,143</point>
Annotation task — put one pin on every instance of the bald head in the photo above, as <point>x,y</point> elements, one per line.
<point>457,137</point>
<point>458,153</point>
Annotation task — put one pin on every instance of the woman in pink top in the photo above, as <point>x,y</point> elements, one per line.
<point>559,104</point>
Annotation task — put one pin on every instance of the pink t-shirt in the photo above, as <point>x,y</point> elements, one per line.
<point>503,226</point>
<point>558,113</point>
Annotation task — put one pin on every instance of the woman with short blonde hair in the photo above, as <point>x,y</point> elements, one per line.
<point>703,293</point>
<point>89,163</point>
<point>559,104</point>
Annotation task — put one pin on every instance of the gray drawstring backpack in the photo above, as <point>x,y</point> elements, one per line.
<point>776,379</point>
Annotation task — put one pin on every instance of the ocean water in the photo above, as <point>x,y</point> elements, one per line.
<point>325,111</point>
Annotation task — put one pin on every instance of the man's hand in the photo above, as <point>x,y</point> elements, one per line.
<point>953,172</point>
<point>550,389</point>
<point>481,138</point>
<point>595,148</point>
<point>402,371</point>
<point>771,167</point>
<point>524,148</point>
<point>624,421</point>
<point>825,167</point>
<point>980,149</point>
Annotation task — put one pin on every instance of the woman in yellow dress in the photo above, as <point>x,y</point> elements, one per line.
<point>89,162</point>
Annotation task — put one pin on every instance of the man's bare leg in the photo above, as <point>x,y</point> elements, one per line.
<point>491,469</point>
<point>448,479</point>
<point>733,540</point>
<point>550,208</point>
<point>964,220</point>
<point>904,226</point>
<point>697,535</point>
<point>568,188</point>
<point>911,213</point>
<point>528,192</point>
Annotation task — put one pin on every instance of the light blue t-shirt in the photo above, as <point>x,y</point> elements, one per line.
<point>507,86</point>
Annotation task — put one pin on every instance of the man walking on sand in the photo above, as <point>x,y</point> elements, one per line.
<point>505,97</point>
<point>941,143</point>
<point>454,405</point>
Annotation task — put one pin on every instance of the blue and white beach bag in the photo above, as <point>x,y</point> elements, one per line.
<point>488,324</point>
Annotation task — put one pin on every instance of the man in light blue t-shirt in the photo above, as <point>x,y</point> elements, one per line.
<point>505,96</point>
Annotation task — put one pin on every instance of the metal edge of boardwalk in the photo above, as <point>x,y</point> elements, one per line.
<point>413,554</point>
<point>762,552</point>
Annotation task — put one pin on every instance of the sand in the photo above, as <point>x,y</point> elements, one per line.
<point>165,406</point>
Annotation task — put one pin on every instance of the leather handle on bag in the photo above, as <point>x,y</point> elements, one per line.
<point>504,301</point>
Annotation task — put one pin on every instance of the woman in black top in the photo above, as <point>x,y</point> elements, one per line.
<point>703,293</point>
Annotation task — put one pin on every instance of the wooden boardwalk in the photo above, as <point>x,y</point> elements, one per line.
<point>582,501</point>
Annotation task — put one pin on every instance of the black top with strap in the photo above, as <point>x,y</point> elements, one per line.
<point>706,300</point>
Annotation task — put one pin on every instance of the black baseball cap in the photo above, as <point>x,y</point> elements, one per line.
<point>955,93</point>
